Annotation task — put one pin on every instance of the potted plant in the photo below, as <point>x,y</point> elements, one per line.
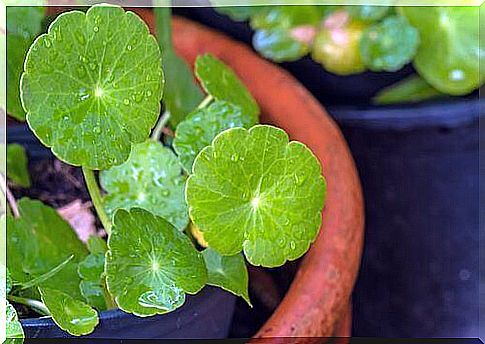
<point>408,106</point>
<point>91,90</point>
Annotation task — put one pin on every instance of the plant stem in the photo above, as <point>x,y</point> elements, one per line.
<point>36,305</point>
<point>205,102</point>
<point>162,122</point>
<point>95,194</point>
<point>10,198</point>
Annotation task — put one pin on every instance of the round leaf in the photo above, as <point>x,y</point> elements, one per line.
<point>91,271</point>
<point>228,272</point>
<point>286,17</point>
<point>252,190</point>
<point>92,86</point>
<point>199,129</point>
<point>151,179</point>
<point>278,45</point>
<point>68,313</point>
<point>450,52</point>
<point>389,45</point>
<point>150,264</point>
<point>222,83</point>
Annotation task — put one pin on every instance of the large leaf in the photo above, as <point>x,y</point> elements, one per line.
<point>181,94</point>
<point>222,83</point>
<point>279,45</point>
<point>13,326</point>
<point>23,25</point>
<point>450,52</point>
<point>150,264</point>
<point>39,241</point>
<point>17,169</point>
<point>151,179</point>
<point>69,313</point>
<point>252,190</point>
<point>92,286</point>
<point>92,86</point>
<point>228,272</point>
<point>199,129</point>
<point>389,45</point>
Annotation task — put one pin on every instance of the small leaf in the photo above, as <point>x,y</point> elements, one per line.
<point>389,45</point>
<point>151,179</point>
<point>228,272</point>
<point>222,83</point>
<point>286,17</point>
<point>17,166</point>
<point>410,90</point>
<point>368,13</point>
<point>91,271</point>
<point>70,314</point>
<point>150,264</point>
<point>278,45</point>
<point>199,129</point>
<point>181,94</point>
<point>450,53</point>
<point>96,244</point>
<point>91,88</point>
<point>13,326</point>
<point>23,25</point>
<point>254,191</point>
<point>37,242</point>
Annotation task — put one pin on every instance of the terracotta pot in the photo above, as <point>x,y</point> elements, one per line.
<point>317,303</point>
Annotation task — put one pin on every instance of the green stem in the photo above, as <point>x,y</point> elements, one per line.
<point>162,122</point>
<point>95,194</point>
<point>36,305</point>
<point>205,102</point>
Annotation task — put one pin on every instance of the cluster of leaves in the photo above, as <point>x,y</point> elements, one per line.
<point>442,43</point>
<point>91,89</point>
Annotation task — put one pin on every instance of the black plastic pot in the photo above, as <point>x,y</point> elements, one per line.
<point>207,315</point>
<point>419,167</point>
<point>327,87</point>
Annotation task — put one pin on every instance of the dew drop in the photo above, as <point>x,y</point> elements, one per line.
<point>165,192</point>
<point>292,245</point>
<point>96,29</point>
<point>92,66</point>
<point>148,93</point>
<point>126,101</point>
<point>129,47</point>
<point>47,43</point>
<point>80,38</point>
<point>281,242</point>
<point>234,157</point>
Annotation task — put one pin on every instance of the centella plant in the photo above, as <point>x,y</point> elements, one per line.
<point>179,214</point>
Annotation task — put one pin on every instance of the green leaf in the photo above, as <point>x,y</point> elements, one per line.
<point>96,244</point>
<point>228,272</point>
<point>410,90</point>
<point>23,25</point>
<point>39,241</point>
<point>181,94</point>
<point>368,13</point>
<point>91,271</point>
<point>279,45</point>
<point>17,166</point>
<point>9,283</point>
<point>44,277</point>
<point>254,191</point>
<point>450,52</point>
<point>286,17</point>
<point>199,129</point>
<point>13,326</point>
<point>151,179</point>
<point>389,45</point>
<point>92,86</point>
<point>70,314</point>
<point>220,81</point>
<point>150,264</point>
